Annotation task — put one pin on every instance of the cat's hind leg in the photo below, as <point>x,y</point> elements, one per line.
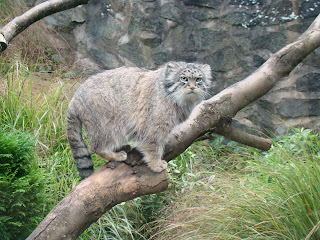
<point>110,155</point>
<point>104,147</point>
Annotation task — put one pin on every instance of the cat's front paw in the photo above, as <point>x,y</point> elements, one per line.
<point>158,166</point>
<point>121,156</point>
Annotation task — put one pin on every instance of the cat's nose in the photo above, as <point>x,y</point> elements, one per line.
<point>192,86</point>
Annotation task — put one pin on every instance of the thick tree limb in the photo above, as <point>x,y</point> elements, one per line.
<point>94,196</point>
<point>20,23</point>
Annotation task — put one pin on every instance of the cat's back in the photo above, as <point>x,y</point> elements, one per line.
<point>119,81</point>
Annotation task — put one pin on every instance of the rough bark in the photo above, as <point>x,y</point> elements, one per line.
<point>112,184</point>
<point>117,182</point>
<point>20,23</point>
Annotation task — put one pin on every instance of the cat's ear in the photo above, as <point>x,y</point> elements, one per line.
<point>171,68</point>
<point>206,69</point>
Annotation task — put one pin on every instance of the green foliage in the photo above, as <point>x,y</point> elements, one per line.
<point>22,185</point>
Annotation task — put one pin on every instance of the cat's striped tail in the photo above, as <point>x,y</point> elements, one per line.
<point>78,147</point>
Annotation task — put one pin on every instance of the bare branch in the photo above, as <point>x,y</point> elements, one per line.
<point>18,24</point>
<point>234,134</point>
<point>239,136</point>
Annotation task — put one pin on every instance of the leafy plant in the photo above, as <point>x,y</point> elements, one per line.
<point>22,185</point>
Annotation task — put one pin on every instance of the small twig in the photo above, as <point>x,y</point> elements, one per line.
<point>207,136</point>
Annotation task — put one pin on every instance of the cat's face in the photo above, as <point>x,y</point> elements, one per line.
<point>187,83</point>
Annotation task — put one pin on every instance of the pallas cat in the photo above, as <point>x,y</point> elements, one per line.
<point>130,104</point>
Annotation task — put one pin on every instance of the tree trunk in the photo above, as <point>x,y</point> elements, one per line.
<point>118,182</point>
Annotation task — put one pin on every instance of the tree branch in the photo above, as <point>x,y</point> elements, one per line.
<point>239,136</point>
<point>20,23</point>
<point>234,134</point>
<point>213,113</point>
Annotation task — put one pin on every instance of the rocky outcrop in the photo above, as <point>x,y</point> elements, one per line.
<point>234,36</point>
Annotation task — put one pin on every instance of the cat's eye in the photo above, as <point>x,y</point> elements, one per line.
<point>198,80</point>
<point>184,79</point>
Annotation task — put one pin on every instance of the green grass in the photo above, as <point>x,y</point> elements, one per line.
<point>291,171</point>
<point>24,108</point>
<point>29,103</point>
<point>274,196</point>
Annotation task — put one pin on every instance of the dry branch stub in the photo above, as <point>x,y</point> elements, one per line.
<point>3,43</point>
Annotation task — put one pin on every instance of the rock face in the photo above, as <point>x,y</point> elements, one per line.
<point>234,36</point>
